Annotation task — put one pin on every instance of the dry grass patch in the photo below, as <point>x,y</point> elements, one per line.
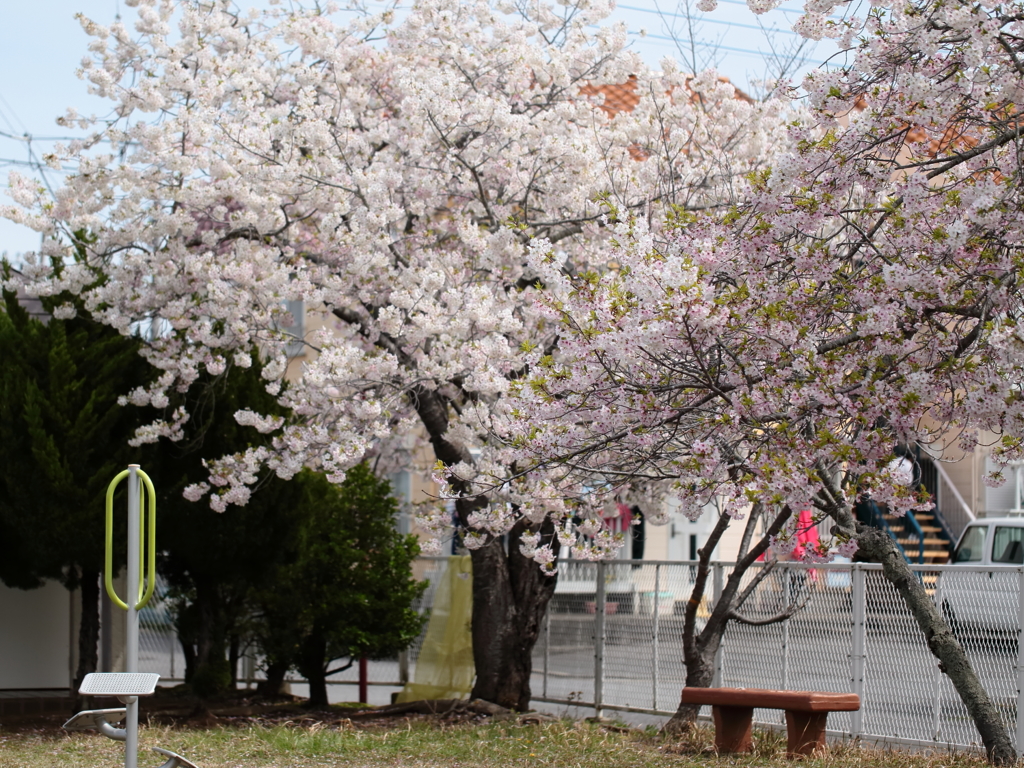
<point>424,742</point>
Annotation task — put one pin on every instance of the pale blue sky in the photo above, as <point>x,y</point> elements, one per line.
<point>42,44</point>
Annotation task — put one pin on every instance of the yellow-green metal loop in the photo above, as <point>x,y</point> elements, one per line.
<point>147,554</point>
<point>147,543</point>
<point>108,569</point>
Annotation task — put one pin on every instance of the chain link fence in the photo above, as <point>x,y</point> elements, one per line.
<point>612,640</point>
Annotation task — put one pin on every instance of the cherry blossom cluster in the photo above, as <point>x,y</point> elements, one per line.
<point>391,172</point>
<point>863,298</point>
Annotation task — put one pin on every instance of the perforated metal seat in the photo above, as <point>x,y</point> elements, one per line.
<point>119,684</point>
<point>93,719</point>
<point>174,760</point>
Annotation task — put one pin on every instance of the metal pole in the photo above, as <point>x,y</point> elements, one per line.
<point>787,585</point>
<point>599,637</point>
<point>131,746</point>
<point>858,630</point>
<point>937,674</point>
<point>1020,660</point>
<point>403,667</point>
<point>547,648</point>
<point>654,639</point>
<point>364,696</point>
<point>719,655</point>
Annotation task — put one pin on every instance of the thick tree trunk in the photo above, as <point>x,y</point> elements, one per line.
<point>188,650</point>
<point>317,689</point>
<point>312,667</point>
<point>271,687</point>
<point>89,628</point>
<point>510,593</point>
<point>700,672</point>
<point>876,546</point>
<point>510,596</point>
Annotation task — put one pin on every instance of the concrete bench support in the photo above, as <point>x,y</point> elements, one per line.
<point>732,710</point>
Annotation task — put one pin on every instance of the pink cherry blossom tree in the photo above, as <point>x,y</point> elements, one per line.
<point>865,295</point>
<point>390,171</point>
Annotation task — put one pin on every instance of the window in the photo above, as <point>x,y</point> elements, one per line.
<point>296,329</point>
<point>1008,545</point>
<point>972,545</point>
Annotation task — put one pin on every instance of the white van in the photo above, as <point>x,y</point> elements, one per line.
<point>975,596</point>
<point>992,541</point>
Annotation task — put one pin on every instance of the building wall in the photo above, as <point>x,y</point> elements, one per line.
<point>35,637</point>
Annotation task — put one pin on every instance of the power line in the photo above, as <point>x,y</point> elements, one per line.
<point>705,20</point>
<point>709,44</point>
<point>13,114</point>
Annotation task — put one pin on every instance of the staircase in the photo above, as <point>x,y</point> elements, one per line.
<point>923,537</point>
<point>920,536</point>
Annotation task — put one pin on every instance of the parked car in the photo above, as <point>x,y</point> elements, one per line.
<point>974,596</point>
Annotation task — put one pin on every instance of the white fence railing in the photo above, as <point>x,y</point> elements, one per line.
<point>853,634</point>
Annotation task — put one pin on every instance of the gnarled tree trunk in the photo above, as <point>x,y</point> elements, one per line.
<point>510,597</point>
<point>510,592</point>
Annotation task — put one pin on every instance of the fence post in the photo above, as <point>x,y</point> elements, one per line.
<point>403,666</point>
<point>719,658</point>
<point>937,674</point>
<point>858,632</point>
<point>654,638</point>
<point>547,648</point>
<point>1020,660</point>
<point>787,586</point>
<point>599,637</point>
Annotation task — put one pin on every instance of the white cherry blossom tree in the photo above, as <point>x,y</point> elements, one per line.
<point>864,297</point>
<point>389,171</point>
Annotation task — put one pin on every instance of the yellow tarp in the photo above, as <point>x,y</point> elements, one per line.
<point>444,669</point>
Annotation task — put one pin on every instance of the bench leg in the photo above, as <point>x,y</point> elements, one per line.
<point>732,728</point>
<point>806,732</point>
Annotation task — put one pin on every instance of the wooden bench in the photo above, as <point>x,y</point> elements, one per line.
<point>806,712</point>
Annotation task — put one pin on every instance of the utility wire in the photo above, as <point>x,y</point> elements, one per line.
<point>14,114</point>
<point>705,19</point>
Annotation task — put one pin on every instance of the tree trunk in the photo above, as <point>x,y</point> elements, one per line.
<point>510,592</point>
<point>700,648</point>
<point>234,654</point>
<point>89,628</point>
<point>209,634</point>
<point>188,650</point>
<point>878,547</point>
<point>700,673</point>
<point>510,597</point>
<point>271,687</point>
<point>312,666</point>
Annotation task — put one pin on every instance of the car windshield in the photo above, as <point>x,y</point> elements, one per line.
<point>972,545</point>
<point>1008,545</point>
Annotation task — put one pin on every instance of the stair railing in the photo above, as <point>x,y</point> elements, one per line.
<point>876,517</point>
<point>950,508</point>
<point>913,528</point>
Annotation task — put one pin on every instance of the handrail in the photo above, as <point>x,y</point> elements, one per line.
<point>146,532</point>
<point>962,509</point>
<point>915,528</point>
<point>877,518</point>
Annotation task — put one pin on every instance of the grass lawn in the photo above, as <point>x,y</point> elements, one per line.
<point>430,743</point>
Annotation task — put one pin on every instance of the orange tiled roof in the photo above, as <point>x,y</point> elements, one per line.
<point>623,97</point>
